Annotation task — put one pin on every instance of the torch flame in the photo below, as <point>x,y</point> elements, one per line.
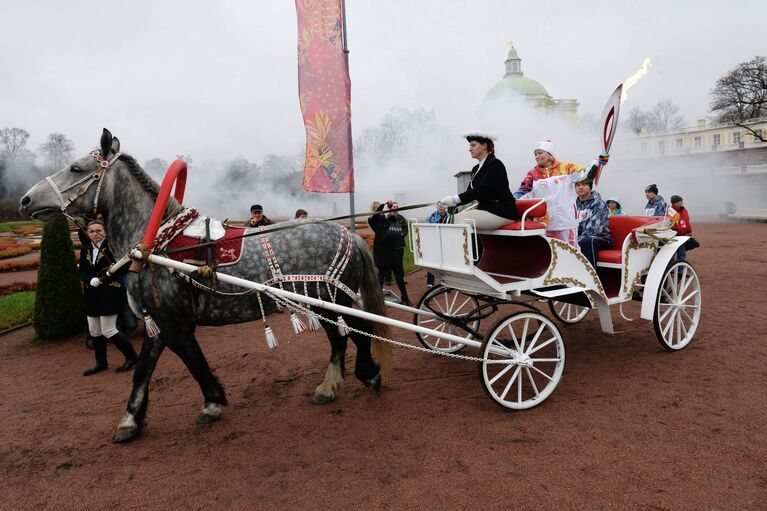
<point>633,79</point>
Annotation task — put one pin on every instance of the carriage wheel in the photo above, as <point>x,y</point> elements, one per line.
<point>568,312</point>
<point>522,360</point>
<point>449,302</point>
<point>677,308</point>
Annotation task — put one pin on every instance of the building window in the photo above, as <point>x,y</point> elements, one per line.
<point>644,147</point>
<point>697,142</point>
<point>661,146</point>
<point>679,143</point>
<point>717,139</point>
<point>736,137</point>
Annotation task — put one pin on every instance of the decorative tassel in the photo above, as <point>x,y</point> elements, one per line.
<point>271,339</point>
<point>343,329</point>
<point>150,327</point>
<point>298,325</point>
<point>314,323</point>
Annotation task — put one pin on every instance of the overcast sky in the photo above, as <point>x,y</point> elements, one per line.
<point>218,79</point>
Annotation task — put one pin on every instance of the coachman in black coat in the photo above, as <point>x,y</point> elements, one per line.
<point>490,186</point>
<point>106,299</point>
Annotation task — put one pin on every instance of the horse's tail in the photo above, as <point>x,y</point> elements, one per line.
<point>373,302</point>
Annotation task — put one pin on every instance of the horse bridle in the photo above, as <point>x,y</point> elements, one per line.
<point>104,165</point>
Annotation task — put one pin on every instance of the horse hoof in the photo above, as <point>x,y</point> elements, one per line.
<point>374,382</point>
<point>206,419</point>
<point>124,435</point>
<point>211,412</point>
<point>319,399</point>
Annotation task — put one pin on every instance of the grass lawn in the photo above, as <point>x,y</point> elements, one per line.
<point>5,227</point>
<point>16,308</point>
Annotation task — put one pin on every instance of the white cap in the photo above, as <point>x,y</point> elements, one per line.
<point>545,145</point>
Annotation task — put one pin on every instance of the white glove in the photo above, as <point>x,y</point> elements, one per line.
<point>451,201</point>
<point>95,282</point>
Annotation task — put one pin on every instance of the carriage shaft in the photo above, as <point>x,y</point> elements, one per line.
<point>315,302</point>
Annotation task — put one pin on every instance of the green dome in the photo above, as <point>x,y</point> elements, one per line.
<point>517,84</point>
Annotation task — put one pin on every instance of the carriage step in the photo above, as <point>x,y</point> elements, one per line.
<point>625,326</point>
<point>560,292</point>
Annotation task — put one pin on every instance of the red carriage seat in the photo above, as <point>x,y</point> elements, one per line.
<point>620,227</point>
<point>522,206</point>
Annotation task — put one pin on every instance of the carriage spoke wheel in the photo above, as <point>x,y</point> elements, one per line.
<point>449,302</point>
<point>522,360</point>
<point>568,312</point>
<point>677,307</point>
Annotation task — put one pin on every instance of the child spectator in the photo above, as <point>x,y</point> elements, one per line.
<point>614,203</point>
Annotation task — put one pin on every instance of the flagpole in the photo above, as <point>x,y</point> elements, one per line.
<point>352,223</point>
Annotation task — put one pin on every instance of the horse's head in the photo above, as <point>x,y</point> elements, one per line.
<point>74,189</point>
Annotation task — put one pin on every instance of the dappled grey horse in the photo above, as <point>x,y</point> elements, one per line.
<point>114,185</point>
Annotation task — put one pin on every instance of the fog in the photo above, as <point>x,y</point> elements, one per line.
<point>218,80</point>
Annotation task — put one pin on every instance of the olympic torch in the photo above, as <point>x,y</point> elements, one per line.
<point>609,124</point>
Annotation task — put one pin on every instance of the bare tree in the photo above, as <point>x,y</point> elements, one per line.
<point>156,167</point>
<point>741,95</point>
<point>241,174</point>
<point>13,141</point>
<point>664,117</point>
<point>57,150</point>
<point>636,121</point>
<point>395,131</point>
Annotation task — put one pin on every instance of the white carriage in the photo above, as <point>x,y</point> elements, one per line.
<point>523,353</point>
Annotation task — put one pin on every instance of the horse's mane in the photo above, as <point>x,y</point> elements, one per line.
<point>147,183</point>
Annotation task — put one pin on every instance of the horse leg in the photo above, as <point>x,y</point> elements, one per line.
<point>213,393</point>
<point>133,421</point>
<point>334,375</point>
<point>365,368</point>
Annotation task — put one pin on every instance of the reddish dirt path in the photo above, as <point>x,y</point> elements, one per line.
<point>630,426</point>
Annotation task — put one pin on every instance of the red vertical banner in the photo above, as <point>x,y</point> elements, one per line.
<point>324,91</point>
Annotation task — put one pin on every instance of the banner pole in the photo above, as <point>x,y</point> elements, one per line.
<point>352,223</point>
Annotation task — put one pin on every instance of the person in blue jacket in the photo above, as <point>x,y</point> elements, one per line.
<point>593,221</point>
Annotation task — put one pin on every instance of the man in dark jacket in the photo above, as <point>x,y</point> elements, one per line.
<point>593,221</point>
<point>389,245</point>
<point>257,217</point>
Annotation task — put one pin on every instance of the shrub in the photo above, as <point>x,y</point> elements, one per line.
<point>15,287</point>
<point>14,250</point>
<point>27,229</point>
<point>27,264</point>
<point>59,308</point>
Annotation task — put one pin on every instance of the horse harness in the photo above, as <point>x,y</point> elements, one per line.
<point>104,165</point>
<point>332,277</point>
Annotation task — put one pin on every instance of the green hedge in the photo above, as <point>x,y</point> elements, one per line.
<point>59,307</point>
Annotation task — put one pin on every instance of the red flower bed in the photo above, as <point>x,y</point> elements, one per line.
<point>15,287</point>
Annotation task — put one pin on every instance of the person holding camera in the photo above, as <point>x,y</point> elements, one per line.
<point>389,245</point>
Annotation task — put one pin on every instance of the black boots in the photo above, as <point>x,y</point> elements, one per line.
<point>100,349</point>
<point>404,300</point>
<point>126,348</point>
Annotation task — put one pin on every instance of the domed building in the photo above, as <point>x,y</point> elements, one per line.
<point>515,84</point>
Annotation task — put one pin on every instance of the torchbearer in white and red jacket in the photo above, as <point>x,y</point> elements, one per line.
<point>489,185</point>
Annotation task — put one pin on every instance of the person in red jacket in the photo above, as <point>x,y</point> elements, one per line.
<point>683,227</point>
